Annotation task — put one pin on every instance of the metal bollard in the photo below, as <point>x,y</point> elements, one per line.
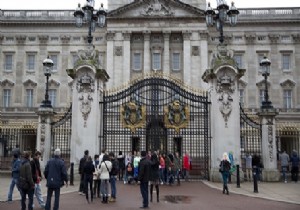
<point>238,181</point>
<point>72,174</point>
<point>255,180</point>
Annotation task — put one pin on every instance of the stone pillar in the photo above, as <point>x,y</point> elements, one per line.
<point>225,111</point>
<point>270,172</point>
<point>147,54</point>
<point>187,57</point>
<point>43,141</point>
<point>166,58</point>
<point>110,57</point>
<point>126,58</point>
<point>88,87</point>
<point>203,55</point>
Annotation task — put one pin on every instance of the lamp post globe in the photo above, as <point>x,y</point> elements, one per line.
<point>47,67</point>
<point>265,63</point>
<point>87,14</point>
<point>220,15</point>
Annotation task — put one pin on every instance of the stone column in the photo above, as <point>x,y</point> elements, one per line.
<point>43,141</point>
<point>126,58</point>
<point>187,57</point>
<point>88,87</point>
<point>110,57</point>
<point>270,172</point>
<point>166,58</point>
<point>147,54</point>
<point>225,111</point>
<point>203,55</point>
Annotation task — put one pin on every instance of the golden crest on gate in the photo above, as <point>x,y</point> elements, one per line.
<point>176,115</point>
<point>133,115</point>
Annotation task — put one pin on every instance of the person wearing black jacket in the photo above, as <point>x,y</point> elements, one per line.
<point>144,177</point>
<point>37,178</point>
<point>154,176</point>
<point>25,182</point>
<point>80,170</point>
<point>88,171</point>
<point>56,175</point>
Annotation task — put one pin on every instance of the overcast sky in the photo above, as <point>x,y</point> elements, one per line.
<point>72,4</point>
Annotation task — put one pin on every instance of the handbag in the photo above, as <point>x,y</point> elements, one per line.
<point>23,183</point>
<point>221,169</point>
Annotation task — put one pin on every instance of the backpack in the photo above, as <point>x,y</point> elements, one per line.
<point>115,168</point>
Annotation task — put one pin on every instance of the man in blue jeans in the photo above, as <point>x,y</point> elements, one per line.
<point>56,175</point>
<point>15,167</point>
<point>144,177</point>
<point>113,176</point>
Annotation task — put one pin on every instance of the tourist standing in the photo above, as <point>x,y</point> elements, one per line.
<point>284,160</point>
<point>88,171</point>
<point>96,176</point>
<point>25,182</point>
<point>224,170</point>
<point>248,160</point>
<point>177,167</point>
<point>15,173</point>
<point>113,176</point>
<point>56,176</point>
<point>186,166</point>
<point>154,176</point>
<point>144,177</point>
<point>295,166</point>
<point>104,170</point>
<point>37,178</point>
<point>80,169</point>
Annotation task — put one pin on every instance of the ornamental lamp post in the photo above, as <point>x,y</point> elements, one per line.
<point>87,14</point>
<point>265,63</point>
<point>220,16</point>
<point>48,65</point>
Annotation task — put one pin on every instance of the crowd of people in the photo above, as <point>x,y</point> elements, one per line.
<point>100,174</point>
<point>27,177</point>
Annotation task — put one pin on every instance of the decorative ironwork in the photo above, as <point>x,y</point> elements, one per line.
<point>61,135</point>
<point>133,115</point>
<point>177,115</point>
<point>150,95</point>
<point>251,135</point>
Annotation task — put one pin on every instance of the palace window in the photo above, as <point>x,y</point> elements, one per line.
<point>239,60</point>
<point>31,62</point>
<point>176,61</point>
<point>54,58</point>
<point>156,61</point>
<point>8,63</point>
<point>286,61</point>
<point>52,96</point>
<point>287,99</point>
<point>29,97</point>
<point>137,61</point>
<point>6,97</point>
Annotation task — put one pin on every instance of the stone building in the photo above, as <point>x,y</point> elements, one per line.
<point>142,37</point>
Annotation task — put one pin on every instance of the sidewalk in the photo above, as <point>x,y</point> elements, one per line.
<point>278,191</point>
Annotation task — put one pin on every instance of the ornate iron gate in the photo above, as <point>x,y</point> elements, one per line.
<point>251,140</point>
<point>61,135</point>
<point>158,113</point>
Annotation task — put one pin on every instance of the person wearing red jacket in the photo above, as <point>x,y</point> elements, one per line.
<point>186,166</point>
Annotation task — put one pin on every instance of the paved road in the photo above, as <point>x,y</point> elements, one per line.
<point>195,196</point>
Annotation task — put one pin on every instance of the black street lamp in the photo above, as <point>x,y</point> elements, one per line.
<point>89,15</point>
<point>220,16</point>
<point>265,63</point>
<point>48,65</point>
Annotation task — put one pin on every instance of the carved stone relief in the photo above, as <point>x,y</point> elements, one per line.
<point>157,8</point>
<point>85,86</point>
<point>225,88</point>
<point>118,50</point>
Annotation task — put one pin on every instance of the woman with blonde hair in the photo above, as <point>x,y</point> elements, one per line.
<point>224,170</point>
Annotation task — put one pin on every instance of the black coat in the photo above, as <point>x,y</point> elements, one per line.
<point>89,169</point>
<point>154,173</point>
<point>144,170</point>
